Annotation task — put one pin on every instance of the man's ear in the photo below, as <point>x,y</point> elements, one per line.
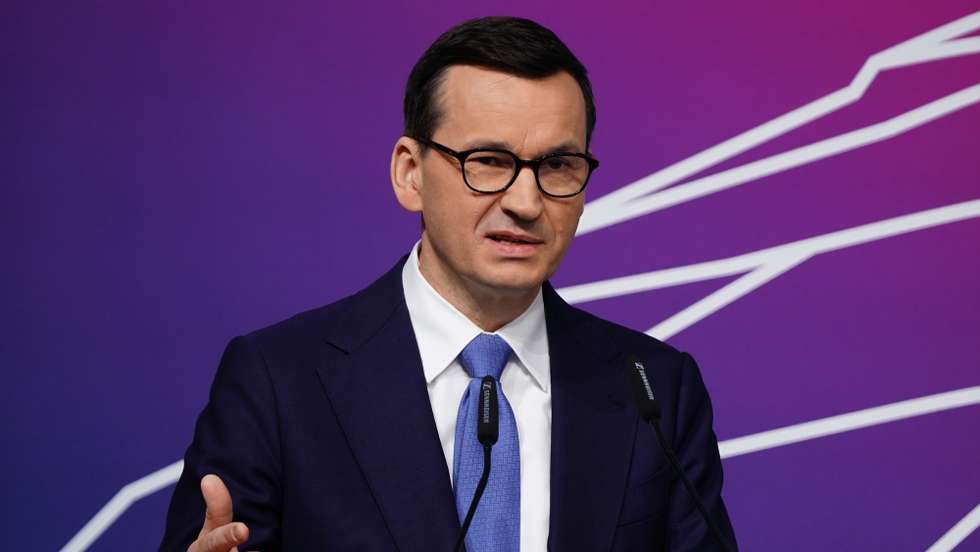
<point>406,174</point>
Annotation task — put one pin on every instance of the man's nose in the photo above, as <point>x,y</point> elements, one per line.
<point>523,198</point>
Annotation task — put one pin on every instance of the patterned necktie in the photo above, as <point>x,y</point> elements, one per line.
<point>496,526</point>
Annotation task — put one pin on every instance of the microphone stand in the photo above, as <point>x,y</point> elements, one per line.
<point>487,431</point>
<point>649,410</point>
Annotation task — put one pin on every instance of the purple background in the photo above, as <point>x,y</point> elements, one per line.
<point>179,173</point>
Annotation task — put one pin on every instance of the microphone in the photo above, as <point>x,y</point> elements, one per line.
<point>487,421</point>
<point>646,403</point>
<point>649,410</point>
<point>487,432</point>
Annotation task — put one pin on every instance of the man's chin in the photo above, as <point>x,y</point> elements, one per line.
<point>514,282</point>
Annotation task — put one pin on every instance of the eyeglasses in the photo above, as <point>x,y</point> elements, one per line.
<point>488,170</point>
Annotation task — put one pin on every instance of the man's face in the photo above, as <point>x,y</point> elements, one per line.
<point>508,242</point>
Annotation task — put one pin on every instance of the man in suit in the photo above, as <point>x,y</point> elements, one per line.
<point>351,427</point>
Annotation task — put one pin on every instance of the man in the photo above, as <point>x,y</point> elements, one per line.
<point>352,426</point>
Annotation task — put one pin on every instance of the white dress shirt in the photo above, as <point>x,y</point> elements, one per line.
<point>441,332</point>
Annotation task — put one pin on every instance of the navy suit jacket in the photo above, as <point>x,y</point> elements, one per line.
<point>321,428</point>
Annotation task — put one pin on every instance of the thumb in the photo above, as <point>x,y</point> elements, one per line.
<point>217,500</point>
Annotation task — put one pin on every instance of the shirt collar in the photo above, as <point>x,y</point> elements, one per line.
<point>442,331</point>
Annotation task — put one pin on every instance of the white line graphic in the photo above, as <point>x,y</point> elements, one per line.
<point>958,533</point>
<point>724,297</point>
<point>778,259</point>
<point>849,422</point>
<point>762,265</point>
<point>937,44</point>
<point>604,216</point>
<point>732,447</point>
<point>144,486</point>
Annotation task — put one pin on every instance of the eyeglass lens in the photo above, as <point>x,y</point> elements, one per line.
<point>490,171</point>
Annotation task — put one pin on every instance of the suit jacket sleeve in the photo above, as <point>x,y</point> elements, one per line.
<point>237,437</point>
<point>697,450</point>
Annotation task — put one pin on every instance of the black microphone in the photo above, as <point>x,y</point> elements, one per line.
<point>487,421</point>
<point>487,432</point>
<point>649,409</point>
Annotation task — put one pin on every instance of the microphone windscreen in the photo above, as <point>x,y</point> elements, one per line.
<point>646,403</point>
<point>487,415</point>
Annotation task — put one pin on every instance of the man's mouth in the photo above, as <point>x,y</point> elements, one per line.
<point>508,238</point>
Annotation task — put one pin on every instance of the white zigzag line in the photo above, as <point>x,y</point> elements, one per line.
<point>958,532</point>
<point>865,418</point>
<point>762,265</point>
<point>142,487</point>
<point>739,264</point>
<point>168,475</point>
<point>617,206</point>
<point>782,258</point>
<point>724,297</point>
<point>849,422</point>
<point>777,163</point>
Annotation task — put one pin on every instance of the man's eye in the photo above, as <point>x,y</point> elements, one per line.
<point>487,160</point>
<point>556,163</point>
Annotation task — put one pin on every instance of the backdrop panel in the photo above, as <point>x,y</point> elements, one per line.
<point>796,184</point>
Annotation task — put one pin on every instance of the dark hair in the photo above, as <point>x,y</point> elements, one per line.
<point>510,44</point>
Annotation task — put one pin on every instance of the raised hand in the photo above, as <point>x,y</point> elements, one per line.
<point>220,533</point>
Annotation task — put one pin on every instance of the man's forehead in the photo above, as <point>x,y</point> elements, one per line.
<point>494,108</point>
<point>565,146</point>
<point>484,88</point>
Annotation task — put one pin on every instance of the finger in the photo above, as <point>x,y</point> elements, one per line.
<point>222,539</point>
<point>217,500</point>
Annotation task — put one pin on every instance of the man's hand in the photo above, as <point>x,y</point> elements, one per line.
<point>219,534</point>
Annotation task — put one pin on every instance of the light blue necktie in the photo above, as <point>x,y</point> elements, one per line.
<point>496,526</point>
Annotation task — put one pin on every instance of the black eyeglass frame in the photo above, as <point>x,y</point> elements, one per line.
<point>519,165</point>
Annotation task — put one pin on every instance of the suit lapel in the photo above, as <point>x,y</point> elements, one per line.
<point>377,390</point>
<point>379,395</point>
<point>592,430</point>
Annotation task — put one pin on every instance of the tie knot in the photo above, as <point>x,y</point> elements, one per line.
<point>486,355</point>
